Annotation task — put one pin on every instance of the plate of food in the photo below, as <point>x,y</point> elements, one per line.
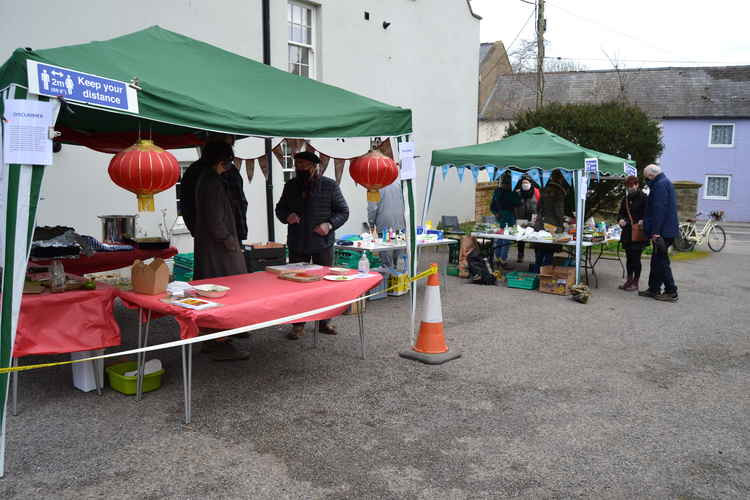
<point>339,270</point>
<point>337,277</point>
<point>213,291</point>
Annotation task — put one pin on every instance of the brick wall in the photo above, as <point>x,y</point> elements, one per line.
<point>482,199</point>
<point>687,198</point>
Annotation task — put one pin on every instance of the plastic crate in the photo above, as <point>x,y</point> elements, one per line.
<point>380,288</point>
<point>180,273</point>
<point>343,257</point>
<point>127,385</point>
<point>257,259</point>
<point>452,270</point>
<point>186,260</point>
<point>520,279</point>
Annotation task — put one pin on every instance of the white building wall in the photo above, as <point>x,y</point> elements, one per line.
<point>416,63</point>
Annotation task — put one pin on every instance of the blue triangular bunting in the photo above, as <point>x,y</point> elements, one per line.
<point>460,171</point>
<point>475,173</point>
<point>546,174</point>
<point>568,175</point>
<point>499,173</point>
<point>515,178</point>
<point>490,172</point>
<point>534,174</point>
<point>445,171</point>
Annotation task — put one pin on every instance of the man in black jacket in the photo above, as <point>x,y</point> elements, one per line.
<point>313,207</point>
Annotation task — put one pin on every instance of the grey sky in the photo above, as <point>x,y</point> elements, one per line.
<point>637,33</point>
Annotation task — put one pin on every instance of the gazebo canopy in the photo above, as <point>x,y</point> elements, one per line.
<point>534,148</point>
<point>188,85</point>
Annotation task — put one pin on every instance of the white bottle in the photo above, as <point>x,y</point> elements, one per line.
<point>364,264</point>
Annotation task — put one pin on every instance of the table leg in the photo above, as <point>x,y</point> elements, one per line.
<point>95,366</point>
<point>15,388</point>
<point>187,379</point>
<point>142,357</point>
<point>361,323</point>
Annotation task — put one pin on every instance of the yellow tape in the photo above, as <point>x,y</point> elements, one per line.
<point>212,336</point>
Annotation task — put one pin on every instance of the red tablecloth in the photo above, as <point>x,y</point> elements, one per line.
<point>54,323</point>
<point>107,261</point>
<point>255,298</point>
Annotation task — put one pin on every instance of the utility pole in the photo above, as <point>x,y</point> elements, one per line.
<point>541,27</point>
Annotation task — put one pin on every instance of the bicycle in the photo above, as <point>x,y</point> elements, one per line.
<point>712,233</point>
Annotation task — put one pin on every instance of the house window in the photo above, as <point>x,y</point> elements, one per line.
<point>722,135</point>
<point>717,187</point>
<point>301,39</point>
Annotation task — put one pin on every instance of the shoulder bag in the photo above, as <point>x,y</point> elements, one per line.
<point>636,230</point>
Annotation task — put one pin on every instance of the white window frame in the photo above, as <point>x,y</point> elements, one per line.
<point>710,135</point>
<point>313,37</point>
<point>729,188</point>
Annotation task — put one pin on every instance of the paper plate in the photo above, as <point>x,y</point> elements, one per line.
<point>333,277</point>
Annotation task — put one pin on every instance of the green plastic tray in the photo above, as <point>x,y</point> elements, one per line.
<point>525,281</point>
<point>127,385</point>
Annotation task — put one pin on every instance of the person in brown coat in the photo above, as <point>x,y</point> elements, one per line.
<point>217,245</point>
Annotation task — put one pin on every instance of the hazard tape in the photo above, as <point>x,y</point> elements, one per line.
<point>217,335</point>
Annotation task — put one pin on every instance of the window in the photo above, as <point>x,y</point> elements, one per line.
<point>301,39</point>
<point>717,187</point>
<point>183,166</point>
<point>722,135</point>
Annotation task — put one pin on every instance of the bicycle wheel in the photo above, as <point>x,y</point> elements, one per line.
<point>682,242</point>
<point>717,238</point>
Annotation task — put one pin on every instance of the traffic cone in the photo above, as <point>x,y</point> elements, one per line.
<point>430,347</point>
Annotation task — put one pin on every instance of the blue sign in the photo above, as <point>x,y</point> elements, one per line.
<point>630,170</point>
<point>46,79</point>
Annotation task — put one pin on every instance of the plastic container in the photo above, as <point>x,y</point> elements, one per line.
<point>127,385</point>
<point>344,257</point>
<point>363,266</point>
<point>520,279</point>
<point>182,270</point>
<point>84,378</point>
<point>381,287</point>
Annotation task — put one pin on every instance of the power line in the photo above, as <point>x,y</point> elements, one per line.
<point>727,63</point>
<point>520,31</point>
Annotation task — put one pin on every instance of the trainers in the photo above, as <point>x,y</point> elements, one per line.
<point>224,351</point>
<point>296,332</point>
<point>647,293</point>
<point>667,297</point>
<point>327,329</point>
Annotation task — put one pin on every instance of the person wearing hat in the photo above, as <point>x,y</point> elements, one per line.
<point>313,207</point>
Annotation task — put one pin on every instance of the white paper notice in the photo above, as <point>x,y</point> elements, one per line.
<point>26,132</point>
<point>583,189</point>
<point>406,157</point>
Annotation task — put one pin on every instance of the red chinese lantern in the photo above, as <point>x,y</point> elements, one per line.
<point>373,171</point>
<point>144,169</point>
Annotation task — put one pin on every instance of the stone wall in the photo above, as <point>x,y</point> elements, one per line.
<point>687,199</point>
<point>482,199</point>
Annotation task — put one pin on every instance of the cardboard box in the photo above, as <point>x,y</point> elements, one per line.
<point>151,279</point>
<point>556,280</point>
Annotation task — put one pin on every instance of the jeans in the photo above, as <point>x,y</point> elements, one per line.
<point>322,258</point>
<point>661,272</point>
<point>501,249</point>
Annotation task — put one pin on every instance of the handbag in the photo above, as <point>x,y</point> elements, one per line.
<point>636,230</point>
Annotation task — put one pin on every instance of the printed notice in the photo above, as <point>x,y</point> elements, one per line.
<point>26,132</point>
<point>406,156</point>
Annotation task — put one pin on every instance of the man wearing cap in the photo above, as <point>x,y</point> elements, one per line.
<point>313,207</point>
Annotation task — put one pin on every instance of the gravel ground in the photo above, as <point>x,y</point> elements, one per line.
<point>624,397</point>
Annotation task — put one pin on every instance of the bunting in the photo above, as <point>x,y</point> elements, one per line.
<point>250,169</point>
<point>515,178</point>
<point>546,174</point>
<point>263,165</point>
<point>475,173</point>
<point>460,171</point>
<point>490,172</point>
<point>338,165</point>
<point>535,176</point>
<point>295,145</point>
<point>568,176</point>
<point>386,148</point>
<point>324,160</point>
<point>445,171</point>
<point>499,173</point>
<point>279,154</point>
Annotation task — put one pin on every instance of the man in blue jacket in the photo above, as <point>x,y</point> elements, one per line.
<point>661,226</point>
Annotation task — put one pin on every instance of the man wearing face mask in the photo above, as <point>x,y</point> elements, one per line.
<point>527,210</point>
<point>313,207</point>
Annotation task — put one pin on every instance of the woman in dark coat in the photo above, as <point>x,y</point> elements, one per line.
<point>503,206</point>
<point>217,244</point>
<point>527,209</point>
<point>632,210</point>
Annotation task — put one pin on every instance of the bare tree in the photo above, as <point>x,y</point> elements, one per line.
<point>523,60</point>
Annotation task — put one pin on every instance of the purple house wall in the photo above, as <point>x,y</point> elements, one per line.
<point>688,157</point>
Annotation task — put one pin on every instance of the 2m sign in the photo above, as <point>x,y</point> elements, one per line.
<point>49,80</point>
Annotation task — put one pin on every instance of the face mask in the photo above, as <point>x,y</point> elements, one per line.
<point>303,175</point>
<point>525,186</point>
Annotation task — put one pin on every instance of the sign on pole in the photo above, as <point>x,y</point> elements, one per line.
<point>406,157</point>
<point>630,170</point>
<point>56,81</point>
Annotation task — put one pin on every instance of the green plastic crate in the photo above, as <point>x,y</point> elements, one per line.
<point>519,279</point>
<point>452,270</point>
<point>185,260</point>
<point>127,385</point>
<point>344,257</point>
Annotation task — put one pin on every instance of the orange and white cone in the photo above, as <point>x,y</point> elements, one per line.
<point>430,347</point>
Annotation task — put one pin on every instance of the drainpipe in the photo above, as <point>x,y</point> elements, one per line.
<point>266,20</point>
